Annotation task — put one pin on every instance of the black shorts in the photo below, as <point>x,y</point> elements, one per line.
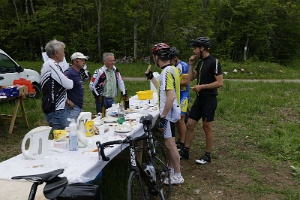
<point>204,107</point>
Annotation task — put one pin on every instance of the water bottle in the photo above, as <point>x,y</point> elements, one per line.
<point>149,169</point>
<point>121,114</point>
<point>73,136</point>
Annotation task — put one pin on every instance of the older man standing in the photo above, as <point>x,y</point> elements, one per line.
<point>105,82</point>
<point>54,85</point>
<point>75,95</point>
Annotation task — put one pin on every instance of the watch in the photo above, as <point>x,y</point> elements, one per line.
<point>162,116</point>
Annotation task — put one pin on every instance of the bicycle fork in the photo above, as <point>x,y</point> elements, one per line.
<point>134,167</point>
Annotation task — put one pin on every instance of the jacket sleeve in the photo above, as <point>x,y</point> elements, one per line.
<point>121,82</point>
<point>58,76</point>
<point>94,81</point>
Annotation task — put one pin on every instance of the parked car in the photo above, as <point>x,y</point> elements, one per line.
<point>10,70</point>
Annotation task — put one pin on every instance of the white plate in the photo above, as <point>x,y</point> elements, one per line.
<point>123,129</point>
<point>109,119</point>
<point>98,122</point>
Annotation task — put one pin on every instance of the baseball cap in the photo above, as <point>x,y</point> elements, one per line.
<point>79,55</point>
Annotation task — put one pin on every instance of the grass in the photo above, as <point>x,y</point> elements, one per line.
<point>245,70</point>
<point>262,117</point>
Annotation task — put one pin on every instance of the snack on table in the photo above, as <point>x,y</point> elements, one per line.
<point>60,134</point>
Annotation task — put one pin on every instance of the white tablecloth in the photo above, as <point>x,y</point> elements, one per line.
<point>82,165</point>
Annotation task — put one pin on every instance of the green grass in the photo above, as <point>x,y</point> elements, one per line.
<point>251,70</point>
<point>263,115</point>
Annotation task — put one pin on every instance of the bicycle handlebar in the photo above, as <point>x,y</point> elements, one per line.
<point>127,140</point>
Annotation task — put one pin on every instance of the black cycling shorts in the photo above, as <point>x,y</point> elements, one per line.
<point>204,107</point>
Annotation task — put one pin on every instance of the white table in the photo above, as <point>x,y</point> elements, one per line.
<point>82,165</point>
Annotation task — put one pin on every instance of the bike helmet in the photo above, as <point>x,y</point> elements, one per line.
<point>201,42</point>
<point>173,52</point>
<point>161,49</point>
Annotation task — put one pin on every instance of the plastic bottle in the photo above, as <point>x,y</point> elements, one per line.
<point>121,114</point>
<point>149,169</point>
<point>82,140</point>
<point>73,136</point>
<point>103,111</point>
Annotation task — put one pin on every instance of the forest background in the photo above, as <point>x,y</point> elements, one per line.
<point>264,30</point>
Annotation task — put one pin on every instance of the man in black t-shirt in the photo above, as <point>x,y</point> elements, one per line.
<point>209,77</point>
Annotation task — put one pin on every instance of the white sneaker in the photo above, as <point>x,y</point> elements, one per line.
<point>175,180</point>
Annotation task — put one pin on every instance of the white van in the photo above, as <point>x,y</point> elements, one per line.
<point>10,71</point>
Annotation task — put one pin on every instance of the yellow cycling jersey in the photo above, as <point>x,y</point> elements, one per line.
<point>169,80</point>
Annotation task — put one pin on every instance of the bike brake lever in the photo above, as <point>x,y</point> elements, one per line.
<point>101,151</point>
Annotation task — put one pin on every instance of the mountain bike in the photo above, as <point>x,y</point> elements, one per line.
<point>54,184</point>
<point>150,178</point>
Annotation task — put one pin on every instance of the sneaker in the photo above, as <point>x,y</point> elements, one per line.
<point>175,180</point>
<point>184,154</point>
<point>204,160</point>
<point>179,146</point>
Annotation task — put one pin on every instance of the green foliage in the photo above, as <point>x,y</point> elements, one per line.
<point>271,31</point>
<point>259,115</point>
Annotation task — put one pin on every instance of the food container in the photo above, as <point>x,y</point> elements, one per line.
<point>144,95</point>
<point>89,127</point>
<point>60,134</point>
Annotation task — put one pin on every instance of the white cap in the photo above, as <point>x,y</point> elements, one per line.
<point>79,55</point>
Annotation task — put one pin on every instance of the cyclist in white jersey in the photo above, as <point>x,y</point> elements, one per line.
<point>168,87</point>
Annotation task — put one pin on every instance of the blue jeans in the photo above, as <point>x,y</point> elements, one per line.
<point>57,119</point>
<point>72,113</point>
<point>107,103</point>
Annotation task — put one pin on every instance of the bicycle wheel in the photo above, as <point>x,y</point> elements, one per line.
<point>162,171</point>
<point>135,188</point>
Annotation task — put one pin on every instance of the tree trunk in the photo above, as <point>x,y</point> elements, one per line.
<point>99,27</point>
<point>36,24</point>
<point>16,9</point>
<point>26,10</point>
<point>135,35</point>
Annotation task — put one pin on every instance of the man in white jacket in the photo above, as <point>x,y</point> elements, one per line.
<point>54,85</point>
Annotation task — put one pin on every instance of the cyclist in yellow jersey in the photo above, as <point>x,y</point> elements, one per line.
<point>168,87</point>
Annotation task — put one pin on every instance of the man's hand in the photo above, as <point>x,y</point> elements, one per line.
<point>149,73</point>
<point>192,60</point>
<point>70,104</point>
<point>197,88</point>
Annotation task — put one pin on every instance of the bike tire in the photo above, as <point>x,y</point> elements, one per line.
<point>136,188</point>
<point>162,171</point>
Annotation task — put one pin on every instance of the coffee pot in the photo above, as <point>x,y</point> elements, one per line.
<point>38,143</point>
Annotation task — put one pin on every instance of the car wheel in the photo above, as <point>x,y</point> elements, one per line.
<point>37,91</point>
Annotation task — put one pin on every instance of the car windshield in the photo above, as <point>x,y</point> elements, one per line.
<point>6,65</point>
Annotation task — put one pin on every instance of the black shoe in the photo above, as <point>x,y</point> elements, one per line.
<point>180,146</point>
<point>204,160</point>
<point>184,154</point>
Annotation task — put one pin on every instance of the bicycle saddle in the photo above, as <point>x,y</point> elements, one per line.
<point>45,177</point>
<point>54,184</point>
<point>146,119</point>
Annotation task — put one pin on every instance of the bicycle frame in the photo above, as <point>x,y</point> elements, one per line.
<point>134,165</point>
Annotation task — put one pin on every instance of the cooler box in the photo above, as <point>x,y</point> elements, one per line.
<point>23,81</point>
